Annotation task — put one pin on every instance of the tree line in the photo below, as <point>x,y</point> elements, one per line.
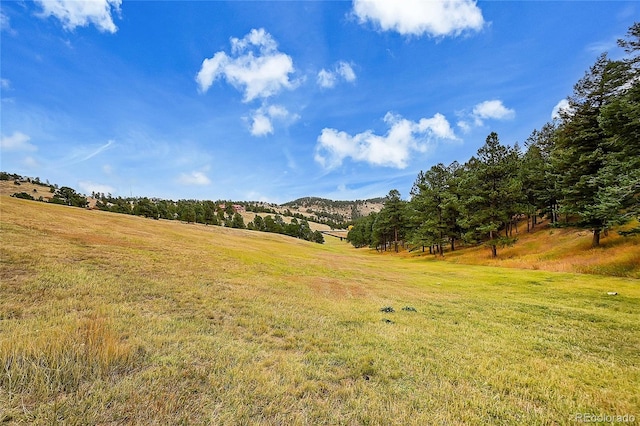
<point>221,213</point>
<point>582,170</point>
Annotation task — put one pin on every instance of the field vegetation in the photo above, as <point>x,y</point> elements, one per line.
<point>116,319</point>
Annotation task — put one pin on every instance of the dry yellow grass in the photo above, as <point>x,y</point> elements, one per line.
<point>114,319</point>
<point>558,250</point>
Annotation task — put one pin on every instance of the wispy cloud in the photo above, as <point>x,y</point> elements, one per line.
<point>194,178</point>
<point>88,187</point>
<point>85,153</point>
<point>5,24</point>
<point>342,71</point>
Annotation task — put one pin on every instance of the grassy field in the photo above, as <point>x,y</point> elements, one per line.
<point>114,319</point>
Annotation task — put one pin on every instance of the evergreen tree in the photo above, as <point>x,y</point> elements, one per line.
<point>390,223</point>
<point>237,221</point>
<point>585,155</point>
<point>493,191</point>
<point>145,207</point>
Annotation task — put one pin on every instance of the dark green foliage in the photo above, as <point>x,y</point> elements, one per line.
<point>361,235</point>
<point>434,210</point>
<point>23,195</point>
<point>493,192</point>
<point>317,237</point>
<point>389,226</point>
<point>297,229</point>
<point>237,221</point>
<point>145,207</point>
<point>68,197</point>
<point>9,176</point>
<point>597,146</point>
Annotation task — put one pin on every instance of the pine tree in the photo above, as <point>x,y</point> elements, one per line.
<point>492,190</point>
<point>592,171</point>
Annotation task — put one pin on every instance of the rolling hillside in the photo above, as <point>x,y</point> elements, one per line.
<point>342,210</point>
<point>109,318</point>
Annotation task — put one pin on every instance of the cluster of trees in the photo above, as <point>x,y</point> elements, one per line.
<point>220,213</point>
<point>69,197</point>
<point>582,170</point>
<point>298,229</point>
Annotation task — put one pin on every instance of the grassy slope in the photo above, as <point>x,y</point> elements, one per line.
<point>559,250</point>
<point>111,318</point>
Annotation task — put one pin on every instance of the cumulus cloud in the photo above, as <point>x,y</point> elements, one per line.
<point>494,109</point>
<point>342,71</point>
<point>194,178</point>
<point>263,118</point>
<point>255,67</point>
<point>419,17</point>
<point>391,150</point>
<point>81,13</point>
<point>18,141</point>
<point>5,84</point>
<point>487,110</point>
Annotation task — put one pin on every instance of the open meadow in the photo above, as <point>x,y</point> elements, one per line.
<point>115,319</point>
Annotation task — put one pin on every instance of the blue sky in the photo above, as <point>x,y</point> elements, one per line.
<point>273,101</point>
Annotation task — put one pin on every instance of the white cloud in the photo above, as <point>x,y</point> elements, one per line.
<point>262,119</point>
<point>487,110</point>
<point>562,106</point>
<point>5,84</point>
<point>255,67</point>
<point>494,110</point>
<point>18,141</point>
<point>81,13</point>
<point>419,17</point>
<point>261,125</point>
<point>326,78</point>
<point>342,70</point>
<point>88,187</point>
<point>391,150</point>
<point>194,178</point>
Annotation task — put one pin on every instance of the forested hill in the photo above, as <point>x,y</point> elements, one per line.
<point>339,211</point>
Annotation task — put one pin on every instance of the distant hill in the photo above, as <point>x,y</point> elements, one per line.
<point>339,211</point>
